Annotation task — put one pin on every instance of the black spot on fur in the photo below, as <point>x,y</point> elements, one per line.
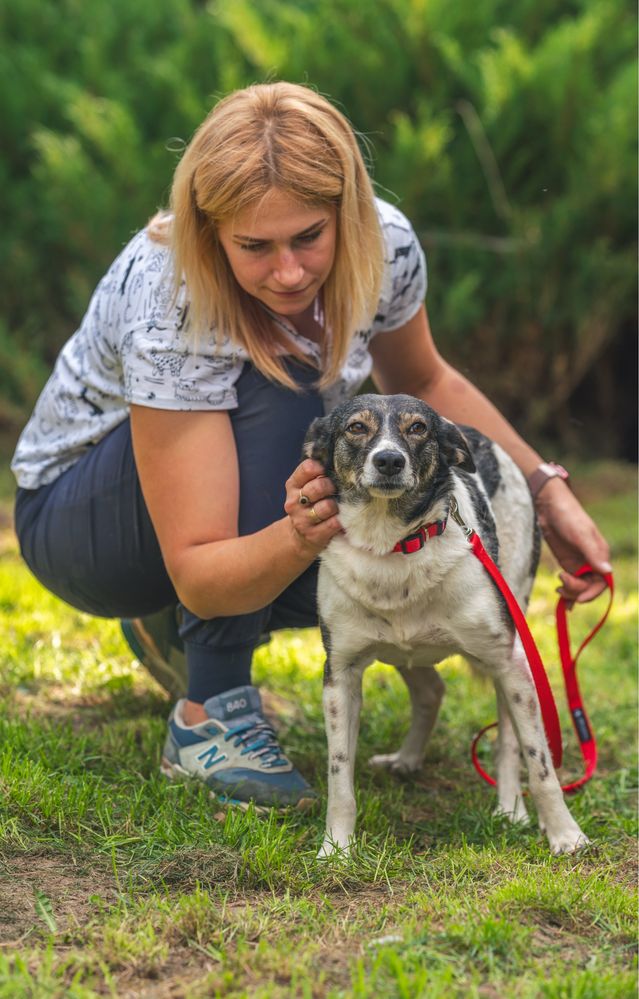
<point>532,752</point>
<point>341,757</point>
<point>535,549</point>
<point>332,709</point>
<point>532,706</point>
<point>483,452</point>
<point>517,698</point>
<point>488,533</point>
<point>326,640</point>
<point>485,459</point>
<point>334,768</point>
<point>485,520</point>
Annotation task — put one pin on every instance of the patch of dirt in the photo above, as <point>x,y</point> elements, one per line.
<point>67,885</point>
<point>187,869</point>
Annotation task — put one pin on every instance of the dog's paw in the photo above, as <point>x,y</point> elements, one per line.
<point>394,763</point>
<point>330,850</point>
<point>515,813</point>
<point>568,841</point>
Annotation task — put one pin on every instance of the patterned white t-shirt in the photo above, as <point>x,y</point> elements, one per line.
<point>132,347</point>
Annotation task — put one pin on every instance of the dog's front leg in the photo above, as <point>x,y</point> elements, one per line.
<point>564,835</point>
<point>342,701</point>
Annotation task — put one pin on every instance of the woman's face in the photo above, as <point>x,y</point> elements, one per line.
<point>281,251</point>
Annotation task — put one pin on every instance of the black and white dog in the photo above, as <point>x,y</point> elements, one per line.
<point>401,585</point>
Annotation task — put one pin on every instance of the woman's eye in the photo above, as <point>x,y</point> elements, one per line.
<point>418,427</point>
<point>357,428</point>
<point>252,247</point>
<point>310,237</point>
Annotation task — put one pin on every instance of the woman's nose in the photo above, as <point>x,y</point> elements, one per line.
<point>288,271</point>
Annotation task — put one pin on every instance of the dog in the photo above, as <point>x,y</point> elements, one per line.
<point>401,585</point>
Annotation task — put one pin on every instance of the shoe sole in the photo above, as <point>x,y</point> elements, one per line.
<point>146,652</point>
<point>174,771</point>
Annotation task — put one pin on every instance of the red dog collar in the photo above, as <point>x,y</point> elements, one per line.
<point>415,542</point>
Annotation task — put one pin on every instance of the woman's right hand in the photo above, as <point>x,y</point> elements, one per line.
<point>314,520</point>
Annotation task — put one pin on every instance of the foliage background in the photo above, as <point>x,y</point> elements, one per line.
<point>507,132</point>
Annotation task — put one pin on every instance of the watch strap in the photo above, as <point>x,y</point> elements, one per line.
<point>543,473</point>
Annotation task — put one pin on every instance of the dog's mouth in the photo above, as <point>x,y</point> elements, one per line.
<point>387,487</point>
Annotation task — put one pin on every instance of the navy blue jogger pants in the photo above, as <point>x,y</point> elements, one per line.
<point>89,539</point>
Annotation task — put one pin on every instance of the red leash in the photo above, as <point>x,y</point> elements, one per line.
<point>585,734</point>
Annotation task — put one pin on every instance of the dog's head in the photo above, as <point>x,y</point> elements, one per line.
<point>386,446</point>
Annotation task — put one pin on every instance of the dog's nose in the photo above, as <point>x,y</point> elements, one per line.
<point>389,462</point>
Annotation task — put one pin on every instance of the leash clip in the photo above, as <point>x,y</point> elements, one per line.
<point>457,517</point>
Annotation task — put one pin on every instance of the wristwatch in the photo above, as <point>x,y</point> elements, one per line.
<point>547,470</point>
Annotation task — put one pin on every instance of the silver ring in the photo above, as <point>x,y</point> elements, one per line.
<point>303,500</point>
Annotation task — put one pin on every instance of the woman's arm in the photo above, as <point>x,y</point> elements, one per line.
<point>187,463</point>
<point>407,360</point>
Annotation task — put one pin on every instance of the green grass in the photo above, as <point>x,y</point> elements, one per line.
<point>115,882</point>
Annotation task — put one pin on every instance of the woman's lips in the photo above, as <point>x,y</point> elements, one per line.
<point>289,294</point>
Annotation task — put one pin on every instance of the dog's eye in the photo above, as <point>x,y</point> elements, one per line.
<point>357,427</point>
<point>418,427</point>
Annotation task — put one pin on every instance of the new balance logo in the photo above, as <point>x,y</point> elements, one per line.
<point>209,757</point>
<point>236,705</point>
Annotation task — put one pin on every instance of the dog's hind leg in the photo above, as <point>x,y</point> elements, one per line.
<point>426,689</point>
<point>342,705</point>
<point>513,676</point>
<point>508,757</point>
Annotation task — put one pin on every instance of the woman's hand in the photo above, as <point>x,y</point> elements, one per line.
<point>311,508</point>
<point>574,540</point>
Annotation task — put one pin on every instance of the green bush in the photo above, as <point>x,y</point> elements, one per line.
<point>507,133</point>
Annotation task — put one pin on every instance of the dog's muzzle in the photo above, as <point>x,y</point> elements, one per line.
<point>388,473</point>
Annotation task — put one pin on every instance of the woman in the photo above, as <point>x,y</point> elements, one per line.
<point>161,452</point>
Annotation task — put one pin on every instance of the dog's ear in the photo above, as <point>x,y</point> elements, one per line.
<point>454,447</point>
<point>317,440</point>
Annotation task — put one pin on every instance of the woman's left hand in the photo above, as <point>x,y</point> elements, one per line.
<point>574,539</point>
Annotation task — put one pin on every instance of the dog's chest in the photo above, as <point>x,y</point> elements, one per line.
<point>398,600</point>
<point>382,584</point>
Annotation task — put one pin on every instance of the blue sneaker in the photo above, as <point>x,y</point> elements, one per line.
<point>236,753</point>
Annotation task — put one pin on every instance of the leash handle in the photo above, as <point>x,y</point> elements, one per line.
<point>581,724</point>
<point>583,730</point>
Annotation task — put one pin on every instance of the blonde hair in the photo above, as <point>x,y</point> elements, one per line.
<point>273,136</point>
